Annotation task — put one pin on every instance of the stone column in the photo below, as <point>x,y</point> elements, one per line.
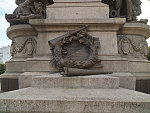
<point>23,46</point>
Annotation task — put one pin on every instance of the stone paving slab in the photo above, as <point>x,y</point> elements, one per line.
<point>57,100</point>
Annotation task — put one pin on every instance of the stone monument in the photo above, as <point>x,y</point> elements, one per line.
<point>76,56</point>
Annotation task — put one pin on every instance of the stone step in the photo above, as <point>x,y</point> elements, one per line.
<point>92,82</point>
<point>50,100</point>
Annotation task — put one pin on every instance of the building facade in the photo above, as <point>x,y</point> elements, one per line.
<point>5,54</point>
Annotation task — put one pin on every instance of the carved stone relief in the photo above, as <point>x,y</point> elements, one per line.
<point>76,49</point>
<point>132,46</point>
<point>26,48</point>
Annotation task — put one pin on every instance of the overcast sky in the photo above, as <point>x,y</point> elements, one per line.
<point>8,6</point>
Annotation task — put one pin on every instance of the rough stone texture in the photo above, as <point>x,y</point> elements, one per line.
<point>105,29</point>
<point>20,30</point>
<point>15,66</point>
<point>91,81</point>
<point>77,99</point>
<point>33,100</point>
<point>132,46</point>
<point>103,36</point>
<point>65,9</point>
<point>56,94</point>
<point>47,80</point>
<point>126,80</point>
<point>25,79</point>
<point>10,75</point>
<point>137,66</point>
<point>23,44</point>
<point>141,76</point>
<point>113,24</point>
<point>136,29</point>
<point>41,64</point>
<point>49,29</point>
<point>23,41</point>
<point>55,28</point>
<point>114,65</point>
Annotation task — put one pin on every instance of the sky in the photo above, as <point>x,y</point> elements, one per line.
<point>8,6</point>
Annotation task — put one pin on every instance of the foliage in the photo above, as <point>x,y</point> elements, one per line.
<point>2,68</point>
<point>148,55</point>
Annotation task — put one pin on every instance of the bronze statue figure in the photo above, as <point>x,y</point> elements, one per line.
<point>128,9</point>
<point>28,9</point>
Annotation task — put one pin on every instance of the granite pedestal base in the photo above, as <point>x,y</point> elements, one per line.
<point>90,94</point>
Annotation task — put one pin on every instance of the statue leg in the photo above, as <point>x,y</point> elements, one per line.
<point>129,10</point>
<point>118,6</point>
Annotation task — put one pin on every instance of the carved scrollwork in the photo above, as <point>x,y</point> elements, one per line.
<point>27,48</point>
<point>77,49</point>
<point>132,46</point>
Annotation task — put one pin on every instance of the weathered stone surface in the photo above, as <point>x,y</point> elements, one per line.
<point>23,40</point>
<point>141,76</point>
<point>57,94</point>
<point>113,24</point>
<point>126,80</point>
<point>15,66</point>
<point>91,81</point>
<point>114,64</point>
<point>137,66</point>
<point>41,64</point>
<point>132,46</point>
<point>25,79</point>
<point>33,100</point>
<point>49,29</point>
<point>23,46</point>
<point>136,29</point>
<point>68,9</point>
<point>20,30</point>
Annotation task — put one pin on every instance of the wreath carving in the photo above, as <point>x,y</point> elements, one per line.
<point>77,49</point>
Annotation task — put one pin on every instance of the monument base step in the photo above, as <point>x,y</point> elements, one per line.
<point>103,81</point>
<point>50,100</point>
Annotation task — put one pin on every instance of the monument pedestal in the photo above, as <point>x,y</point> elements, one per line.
<point>82,94</point>
<point>123,45</point>
<point>23,46</point>
<point>105,93</point>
